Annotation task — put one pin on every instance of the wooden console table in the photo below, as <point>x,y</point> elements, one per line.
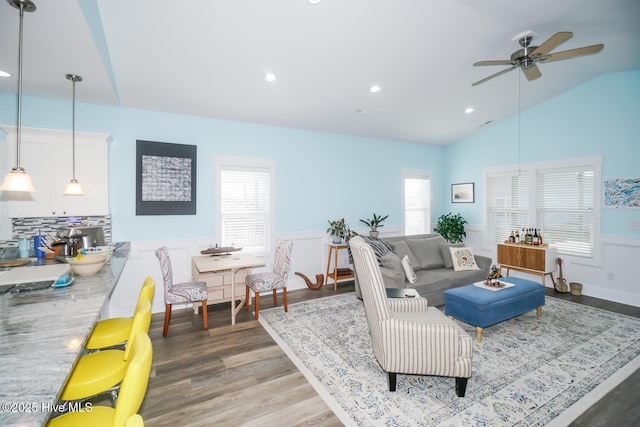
<point>337,273</point>
<point>539,260</point>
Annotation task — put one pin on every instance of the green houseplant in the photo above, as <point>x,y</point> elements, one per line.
<point>338,230</point>
<point>374,223</point>
<point>451,227</point>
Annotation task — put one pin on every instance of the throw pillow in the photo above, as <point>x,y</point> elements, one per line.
<point>463,259</point>
<point>402,249</point>
<point>392,261</point>
<point>379,247</point>
<point>427,251</point>
<point>446,253</point>
<point>408,270</point>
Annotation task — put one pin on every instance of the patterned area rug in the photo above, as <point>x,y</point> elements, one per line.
<point>526,371</point>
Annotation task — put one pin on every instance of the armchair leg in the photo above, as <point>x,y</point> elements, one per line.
<point>167,319</point>
<point>461,386</point>
<point>392,381</point>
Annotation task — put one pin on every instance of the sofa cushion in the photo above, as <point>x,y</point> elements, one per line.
<point>402,249</point>
<point>428,252</point>
<point>463,259</point>
<point>446,253</point>
<point>392,261</point>
<point>408,269</point>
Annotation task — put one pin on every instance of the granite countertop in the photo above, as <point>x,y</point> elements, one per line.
<point>41,335</point>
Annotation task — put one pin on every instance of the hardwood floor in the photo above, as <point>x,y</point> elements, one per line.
<point>237,375</point>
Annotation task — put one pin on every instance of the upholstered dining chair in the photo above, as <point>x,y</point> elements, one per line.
<point>271,280</point>
<point>132,392</point>
<point>115,331</point>
<point>408,336</point>
<point>179,293</point>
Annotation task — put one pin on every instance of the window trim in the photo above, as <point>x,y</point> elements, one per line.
<point>221,162</point>
<point>532,169</point>
<point>417,174</point>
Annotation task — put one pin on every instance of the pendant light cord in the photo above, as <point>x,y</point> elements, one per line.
<point>519,121</point>
<point>73,130</point>
<point>19,86</point>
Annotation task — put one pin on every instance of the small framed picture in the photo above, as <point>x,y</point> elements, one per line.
<point>462,193</point>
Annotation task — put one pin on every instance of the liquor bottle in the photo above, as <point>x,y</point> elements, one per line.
<point>536,241</point>
<point>512,238</point>
<point>522,236</point>
<point>539,236</point>
<point>517,239</point>
<point>528,238</point>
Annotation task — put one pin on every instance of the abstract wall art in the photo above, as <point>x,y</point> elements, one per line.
<point>622,193</point>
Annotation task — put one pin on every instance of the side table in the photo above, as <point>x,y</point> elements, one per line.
<point>337,273</point>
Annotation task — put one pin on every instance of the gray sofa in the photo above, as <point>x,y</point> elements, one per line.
<point>431,261</point>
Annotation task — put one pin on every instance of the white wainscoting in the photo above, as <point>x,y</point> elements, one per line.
<point>614,279</point>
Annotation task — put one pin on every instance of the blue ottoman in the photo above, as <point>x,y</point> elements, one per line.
<point>483,307</point>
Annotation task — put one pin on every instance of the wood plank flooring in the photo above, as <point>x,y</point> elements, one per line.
<point>237,375</point>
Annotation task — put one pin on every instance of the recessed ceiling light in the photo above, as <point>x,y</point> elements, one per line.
<point>314,1</point>
<point>4,74</point>
<point>375,88</point>
<point>270,77</point>
<point>360,111</point>
<point>469,110</point>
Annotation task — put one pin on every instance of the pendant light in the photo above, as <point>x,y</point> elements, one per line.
<point>18,179</point>
<point>73,187</point>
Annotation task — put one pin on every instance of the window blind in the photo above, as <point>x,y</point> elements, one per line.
<point>507,204</point>
<point>417,206</point>
<point>565,209</point>
<point>245,208</point>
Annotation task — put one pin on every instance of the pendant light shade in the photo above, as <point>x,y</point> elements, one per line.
<point>73,187</point>
<point>18,179</point>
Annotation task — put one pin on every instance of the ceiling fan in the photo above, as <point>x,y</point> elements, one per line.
<point>527,57</point>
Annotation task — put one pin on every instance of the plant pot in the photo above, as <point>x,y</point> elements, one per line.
<point>337,240</point>
<point>374,234</point>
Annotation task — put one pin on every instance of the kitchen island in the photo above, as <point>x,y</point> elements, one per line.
<point>42,333</point>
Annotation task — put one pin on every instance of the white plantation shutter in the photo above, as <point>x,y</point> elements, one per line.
<point>565,209</point>
<point>507,204</point>
<point>417,205</point>
<point>245,208</point>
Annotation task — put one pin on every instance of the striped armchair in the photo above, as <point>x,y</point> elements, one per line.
<point>408,337</point>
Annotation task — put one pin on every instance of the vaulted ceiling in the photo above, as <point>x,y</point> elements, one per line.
<point>209,58</point>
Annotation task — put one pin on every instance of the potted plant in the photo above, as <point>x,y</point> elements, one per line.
<point>451,227</point>
<point>374,223</point>
<point>338,229</point>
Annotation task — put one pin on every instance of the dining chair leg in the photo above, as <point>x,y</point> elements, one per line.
<point>284,299</point>
<point>205,317</point>
<point>257,303</point>
<point>246,298</point>
<point>275,297</point>
<point>167,319</point>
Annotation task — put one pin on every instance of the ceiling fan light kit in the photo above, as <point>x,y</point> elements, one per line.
<point>527,57</point>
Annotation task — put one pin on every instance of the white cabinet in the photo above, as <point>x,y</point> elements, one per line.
<point>46,155</point>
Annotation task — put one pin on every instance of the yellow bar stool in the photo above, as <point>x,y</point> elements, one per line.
<point>111,332</point>
<point>132,392</point>
<point>99,372</point>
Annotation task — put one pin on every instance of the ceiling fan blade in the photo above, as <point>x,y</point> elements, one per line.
<point>532,73</point>
<point>552,42</point>
<point>566,54</point>
<point>499,73</point>
<point>497,62</point>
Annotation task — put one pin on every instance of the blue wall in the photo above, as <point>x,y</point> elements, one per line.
<point>319,176</point>
<point>598,118</point>
<point>324,176</point>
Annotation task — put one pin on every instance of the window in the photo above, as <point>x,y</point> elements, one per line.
<point>244,204</point>
<point>417,202</point>
<point>559,198</point>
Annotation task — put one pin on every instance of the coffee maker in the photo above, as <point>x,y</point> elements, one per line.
<point>73,238</point>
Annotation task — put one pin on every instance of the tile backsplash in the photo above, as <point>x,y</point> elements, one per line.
<point>29,227</point>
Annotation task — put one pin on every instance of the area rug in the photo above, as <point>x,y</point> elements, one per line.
<point>526,371</point>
